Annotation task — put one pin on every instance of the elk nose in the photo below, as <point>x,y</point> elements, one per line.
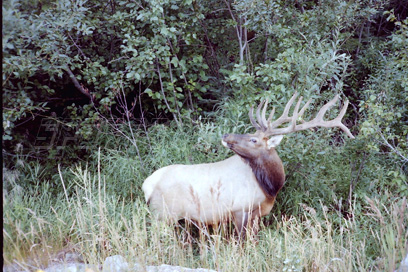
<point>225,136</point>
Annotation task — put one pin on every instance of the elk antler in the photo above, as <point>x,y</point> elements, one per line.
<point>272,128</point>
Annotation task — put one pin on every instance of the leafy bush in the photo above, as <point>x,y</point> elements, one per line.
<point>101,51</point>
<point>385,103</point>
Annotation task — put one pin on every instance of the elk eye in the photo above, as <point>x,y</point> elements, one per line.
<point>253,140</point>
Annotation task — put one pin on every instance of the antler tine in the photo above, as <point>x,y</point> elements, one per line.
<point>284,117</point>
<point>264,121</point>
<point>259,118</point>
<point>322,111</point>
<point>342,111</point>
<point>289,105</point>
<point>261,123</point>
<point>251,118</point>
<point>271,115</point>
<point>304,108</point>
<point>296,113</point>
<point>340,116</point>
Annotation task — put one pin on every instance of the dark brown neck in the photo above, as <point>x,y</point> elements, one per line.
<point>269,172</point>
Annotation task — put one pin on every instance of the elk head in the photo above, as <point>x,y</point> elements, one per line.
<point>258,149</point>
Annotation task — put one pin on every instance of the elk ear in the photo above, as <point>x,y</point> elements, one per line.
<point>274,141</point>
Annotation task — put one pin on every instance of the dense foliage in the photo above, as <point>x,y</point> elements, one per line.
<point>120,88</point>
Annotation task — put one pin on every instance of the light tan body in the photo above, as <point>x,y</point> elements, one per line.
<point>208,193</point>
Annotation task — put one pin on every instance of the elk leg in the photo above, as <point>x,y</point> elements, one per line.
<point>253,225</point>
<point>250,220</point>
<point>182,229</point>
<point>241,222</point>
<point>202,228</point>
<point>256,214</point>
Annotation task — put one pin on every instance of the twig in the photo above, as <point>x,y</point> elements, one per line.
<point>142,114</point>
<point>77,84</point>
<point>353,182</point>
<point>174,89</point>
<point>79,49</point>
<point>359,39</point>
<point>164,95</point>
<point>392,147</point>
<point>130,128</point>
<point>241,34</point>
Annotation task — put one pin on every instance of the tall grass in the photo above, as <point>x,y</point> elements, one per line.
<point>99,225</point>
<point>91,215</point>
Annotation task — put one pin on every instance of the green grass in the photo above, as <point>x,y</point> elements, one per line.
<point>98,211</point>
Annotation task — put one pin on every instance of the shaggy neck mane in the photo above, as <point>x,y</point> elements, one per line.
<point>269,173</point>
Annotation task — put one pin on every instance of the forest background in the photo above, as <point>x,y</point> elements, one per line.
<point>99,94</point>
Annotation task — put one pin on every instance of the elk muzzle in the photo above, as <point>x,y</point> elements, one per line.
<point>228,141</point>
<point>232,141</point>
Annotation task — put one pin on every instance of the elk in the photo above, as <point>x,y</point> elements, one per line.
<point>241,188</point>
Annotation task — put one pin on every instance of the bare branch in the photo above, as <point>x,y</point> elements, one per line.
<point>395,150</point>
<point>164,96</point>
<point>77,84</point>
<point>241,33</point>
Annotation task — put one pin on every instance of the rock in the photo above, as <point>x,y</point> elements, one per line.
<point>404,265</point>
<point>12,268</point>
<point>115,264</point>
<point>70,267</point>
<point>118,264</point>
<point>171,268</point>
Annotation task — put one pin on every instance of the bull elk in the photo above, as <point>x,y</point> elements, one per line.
<point>241,188</point>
